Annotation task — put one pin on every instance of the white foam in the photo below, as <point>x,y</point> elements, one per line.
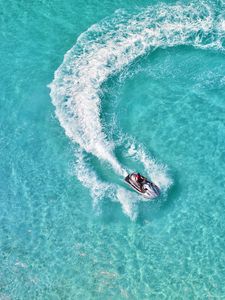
<point>157,172</point>
<point>129,202</point>
<point>222,25</point>
<point>105,49</point>
<point>89,179</point>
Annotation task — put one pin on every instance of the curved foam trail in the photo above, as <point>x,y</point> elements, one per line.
<point>104,49</point>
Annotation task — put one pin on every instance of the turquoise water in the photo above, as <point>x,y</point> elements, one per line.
<point>142,89</point>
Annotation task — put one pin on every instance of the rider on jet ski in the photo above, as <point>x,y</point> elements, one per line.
<point>142,185</point>
<point>140,179</point>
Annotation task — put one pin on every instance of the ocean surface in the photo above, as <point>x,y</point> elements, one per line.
<point>93,90</point>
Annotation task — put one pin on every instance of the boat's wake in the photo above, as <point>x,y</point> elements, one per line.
<point>106,48</point>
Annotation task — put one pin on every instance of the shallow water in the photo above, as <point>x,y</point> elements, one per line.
<point>142,88</point>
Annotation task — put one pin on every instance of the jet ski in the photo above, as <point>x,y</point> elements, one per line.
<point>142,185</point>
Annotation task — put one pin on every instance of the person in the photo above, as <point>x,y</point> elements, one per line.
<point>139,178</point>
